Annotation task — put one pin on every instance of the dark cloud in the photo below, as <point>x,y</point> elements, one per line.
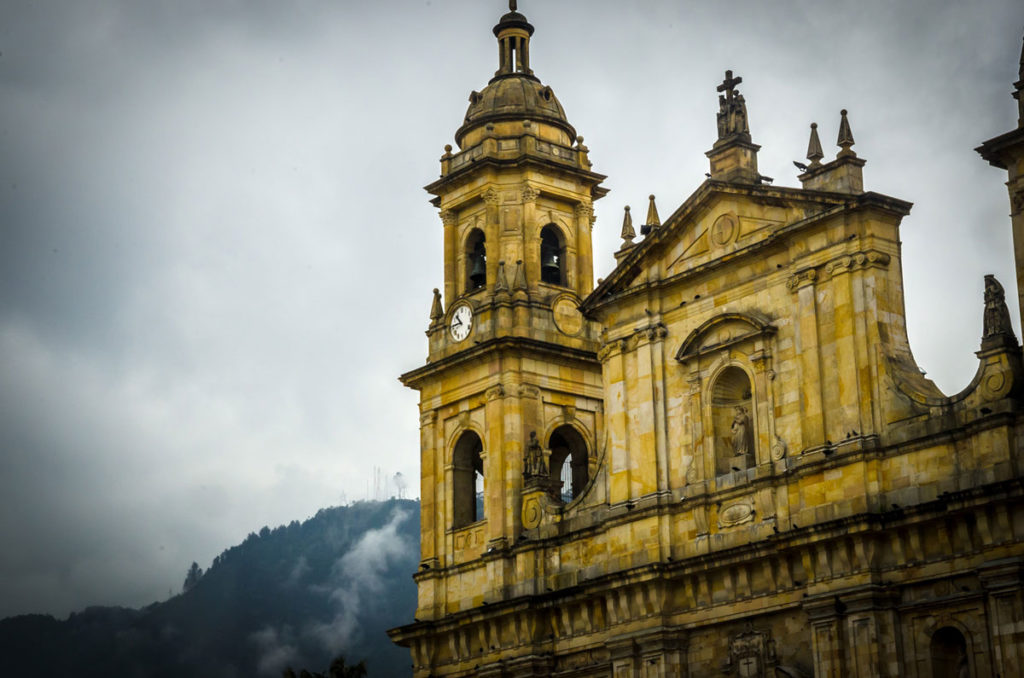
<point>215,256</point>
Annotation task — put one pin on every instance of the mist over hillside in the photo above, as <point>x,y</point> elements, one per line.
<point>296,595</point>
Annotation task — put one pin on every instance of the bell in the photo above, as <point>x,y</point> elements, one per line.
<point>478,274</point>
<point>550,271</point>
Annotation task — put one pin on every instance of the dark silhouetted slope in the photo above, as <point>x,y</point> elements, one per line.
<point>297,596</point>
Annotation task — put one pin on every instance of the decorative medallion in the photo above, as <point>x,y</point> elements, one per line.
<point>568,319</point>
<point>531,513</point>
<point>735,514</point>
<point>723,231</point>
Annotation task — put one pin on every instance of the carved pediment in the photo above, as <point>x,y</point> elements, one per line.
<point>714,235</point>
<point>696,247</point>
<point>727,329</point>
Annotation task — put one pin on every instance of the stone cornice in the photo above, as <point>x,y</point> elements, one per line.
<point>524,345</point>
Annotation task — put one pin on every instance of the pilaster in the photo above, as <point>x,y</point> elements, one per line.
<point>812,416</point>
<point>871,633</point>
<point>1002,581</point>
<point>824,613</point>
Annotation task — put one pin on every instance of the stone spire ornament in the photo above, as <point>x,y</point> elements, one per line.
<point>653,220</point>
<point>627,229</point>
<point>436,309</point>
<point>814,152</point>
<point>1018,92</point>
<point>845,140</point>
<point>501,284</point>
<point>519,279</point>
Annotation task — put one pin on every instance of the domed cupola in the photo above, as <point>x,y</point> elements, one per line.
<point>514,94</point>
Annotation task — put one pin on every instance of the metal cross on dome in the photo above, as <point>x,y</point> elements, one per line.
<point>512,5</point>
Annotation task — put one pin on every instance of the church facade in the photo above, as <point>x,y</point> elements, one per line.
<point>723,459</point>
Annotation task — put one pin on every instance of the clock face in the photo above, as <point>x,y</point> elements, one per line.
<point>462,322</point>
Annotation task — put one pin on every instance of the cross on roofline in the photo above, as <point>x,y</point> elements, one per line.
<point>728,85</point>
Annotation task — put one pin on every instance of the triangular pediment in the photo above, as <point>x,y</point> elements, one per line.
<point>717,221</point>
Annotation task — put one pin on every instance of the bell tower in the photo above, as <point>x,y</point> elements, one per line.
<point>512,364</point>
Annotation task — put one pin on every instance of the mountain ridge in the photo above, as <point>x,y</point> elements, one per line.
<point>293,596</point>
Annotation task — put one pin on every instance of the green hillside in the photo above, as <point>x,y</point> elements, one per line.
<point>297,595</point>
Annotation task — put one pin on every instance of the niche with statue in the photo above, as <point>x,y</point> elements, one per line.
<point>732,420</point>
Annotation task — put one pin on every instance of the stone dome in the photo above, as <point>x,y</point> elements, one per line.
<point>513,97</point>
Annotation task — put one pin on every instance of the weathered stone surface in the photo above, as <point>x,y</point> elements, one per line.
<point>762,481</point>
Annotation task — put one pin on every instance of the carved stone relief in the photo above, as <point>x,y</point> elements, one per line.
<point>779,448</point>
<point>736,514</point>
<point>751,654</point>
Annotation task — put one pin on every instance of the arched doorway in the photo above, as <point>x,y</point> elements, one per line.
<point>949,654</point>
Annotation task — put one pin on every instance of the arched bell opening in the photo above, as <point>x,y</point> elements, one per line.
<point>569,462</point>
<point>552,256</point>
<point>949,654</point>
<point>476,260</point>
<point>732,413</point>
<point>468,480</point>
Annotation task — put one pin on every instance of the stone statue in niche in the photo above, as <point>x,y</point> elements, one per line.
<point>742,434</point>
<point>732,422</point>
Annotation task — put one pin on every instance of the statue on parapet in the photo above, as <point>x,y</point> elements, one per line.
<point>533,461</point>
<point>997,315</point>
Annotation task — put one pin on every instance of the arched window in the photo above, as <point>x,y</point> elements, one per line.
<point>552,256</point>
<point>476,260</point>
<point>569,461</point>
<point>468,480</point>
<point>732,411</point>
<point>949,654</point>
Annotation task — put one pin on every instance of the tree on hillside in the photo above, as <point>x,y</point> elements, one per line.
<point>338,669</point>
<point>192,577</point>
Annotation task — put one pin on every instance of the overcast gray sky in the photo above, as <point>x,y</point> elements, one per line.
<point>216,255</point>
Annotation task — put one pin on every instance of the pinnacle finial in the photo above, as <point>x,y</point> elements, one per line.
<point>814,152</point>
<point>845,140</point>
<point>1018,92</point>
<point>519,279</point>
<point>501,284</point>
<point>627,228</point>
<point>512,5</point>
<point>1021,71</point>
<point>436,309</point>
<point>653,220</point>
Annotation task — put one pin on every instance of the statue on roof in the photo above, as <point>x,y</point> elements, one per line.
<point>732,109</point>
<point>997,316</point>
